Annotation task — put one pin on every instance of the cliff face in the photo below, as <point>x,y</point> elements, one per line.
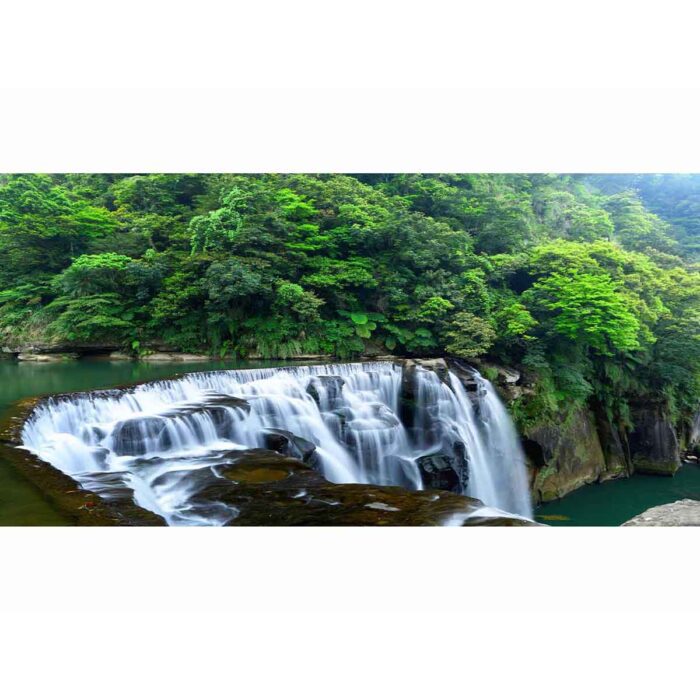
<point>653,443</point>
<point>583,447</point>
<point>566,455</point>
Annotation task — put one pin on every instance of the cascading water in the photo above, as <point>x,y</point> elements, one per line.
<point>695,430</point>
<point>154,440</point>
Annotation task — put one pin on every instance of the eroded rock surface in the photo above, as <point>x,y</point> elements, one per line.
<point>683,512</point>
<point>266,488</point>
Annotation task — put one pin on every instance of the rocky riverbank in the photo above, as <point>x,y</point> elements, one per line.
<point>680,513</point>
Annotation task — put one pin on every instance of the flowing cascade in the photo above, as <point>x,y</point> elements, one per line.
<point>695,431</point>
<point>372,422</point>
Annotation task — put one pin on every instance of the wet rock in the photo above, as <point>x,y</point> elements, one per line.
<point>78,505</point>
<point>228,401</point>
<point>267,488</point>
<point>653,443</point>
<point>137,436</point>
<point>437,365</point>
<point>326,390</point>
<point>407,393</point>
<point>93,434</point>
<point>447,470</point>
<point>680,513</point>
<point>569,455</point>
<point>290,445</point>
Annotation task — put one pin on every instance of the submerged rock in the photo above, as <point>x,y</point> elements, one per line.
<point>137,436</point>
<point>683,512</point>
<point>326,390</point>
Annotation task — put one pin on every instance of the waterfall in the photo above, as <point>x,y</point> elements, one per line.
<point>354,422</point>
<point>695,430</point>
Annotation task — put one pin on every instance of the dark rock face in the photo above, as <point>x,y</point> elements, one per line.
<point>613,441</point>
<point>570,454</point>
<point>290,445</point>
<point>447,469</point>
<point>330,386</point>
<point>266,488</point>
<point>407,395</point>
<point>653,443</point>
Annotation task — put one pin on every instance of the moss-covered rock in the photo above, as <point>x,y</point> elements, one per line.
<point>569,455</point>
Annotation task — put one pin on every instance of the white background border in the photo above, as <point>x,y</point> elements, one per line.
<point>348,86</point>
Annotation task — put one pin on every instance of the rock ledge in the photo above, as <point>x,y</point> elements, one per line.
<point>683,512</point>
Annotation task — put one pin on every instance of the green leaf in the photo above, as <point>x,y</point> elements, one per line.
<point>359,319</point>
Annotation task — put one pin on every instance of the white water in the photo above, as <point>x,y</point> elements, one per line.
<point>154,440</point>
<point>695,432</point>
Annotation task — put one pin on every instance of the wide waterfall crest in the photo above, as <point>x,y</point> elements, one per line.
<point>353,422</point>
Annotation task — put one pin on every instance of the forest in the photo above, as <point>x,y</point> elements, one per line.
<point>590,285</point>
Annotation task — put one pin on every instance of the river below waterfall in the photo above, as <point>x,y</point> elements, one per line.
<point>615,502</point>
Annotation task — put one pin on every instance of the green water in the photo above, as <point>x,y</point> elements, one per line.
<point>615,502</point>
<point>21,503</point>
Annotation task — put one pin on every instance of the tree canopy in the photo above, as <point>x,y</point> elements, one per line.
<point>590,284</point>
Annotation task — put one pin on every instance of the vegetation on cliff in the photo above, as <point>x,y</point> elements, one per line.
<point>591,284</point>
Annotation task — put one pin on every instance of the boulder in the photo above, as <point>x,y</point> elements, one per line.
<point>683,512</point>
<point>290,445</point>
<point>447,469</point>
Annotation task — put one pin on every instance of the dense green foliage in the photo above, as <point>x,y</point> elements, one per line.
<point>589,283</point>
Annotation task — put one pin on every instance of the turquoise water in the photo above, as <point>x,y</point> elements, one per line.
<point>21,503</point>
<point>615,502</point>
